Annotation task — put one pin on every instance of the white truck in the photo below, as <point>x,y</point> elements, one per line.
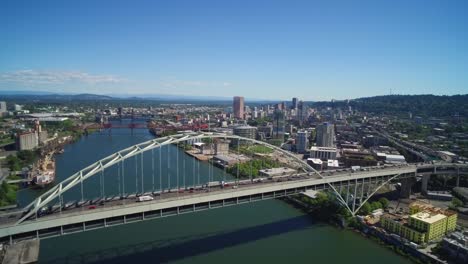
<point>144,198</point>
<point>355,168</point>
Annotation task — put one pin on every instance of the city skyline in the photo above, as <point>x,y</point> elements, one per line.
<point>317,51</point>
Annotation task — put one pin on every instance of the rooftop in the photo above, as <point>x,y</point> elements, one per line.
<point>428,217</point>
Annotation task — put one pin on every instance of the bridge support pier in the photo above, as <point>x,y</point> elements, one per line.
<point>424,182</point>
<point>406,184</point>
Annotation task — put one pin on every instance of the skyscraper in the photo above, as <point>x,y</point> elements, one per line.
<point>325,135</point>
<point>3,107</point>
<point>238,107</point>
<point>294,103</point>
<point>278,124</point>
<point>302,112</point>
<point>302,141</point>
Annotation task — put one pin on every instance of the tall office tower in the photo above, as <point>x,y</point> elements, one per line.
<point>325,135</point>
<point>302,112</point>
<point>302,141</point>
<point>3,108</point>
<point>294,103</point>
<point>238,107</point>
<point>278,124</point>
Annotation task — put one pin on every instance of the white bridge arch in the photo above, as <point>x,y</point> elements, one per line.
<point>93,169</point>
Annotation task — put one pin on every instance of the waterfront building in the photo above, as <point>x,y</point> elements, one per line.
<point>426,223</point>
<point>302,141</point>
<point>238,107</point>
<point>397,224</point>
<point>325,135</point>
<point>27,141</point>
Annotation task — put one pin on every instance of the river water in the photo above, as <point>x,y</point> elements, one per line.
<point>268,231</point>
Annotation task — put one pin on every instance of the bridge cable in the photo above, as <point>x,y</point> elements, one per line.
<point>103,185</point>
<point>136,175</point>
<point>193,174</point>
<point>169,167</point>
<point>177,168</point>
<point>152,166</point>
<point>123,178</point>
<point>142,173</point>
<point>118,179</point>
<point>185,172</point>
<point>81,187</point>
<point>160,172</point>
<point>238,160</point>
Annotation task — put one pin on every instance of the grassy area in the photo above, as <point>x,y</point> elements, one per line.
<point>249,150</point>
<point>6,141</point>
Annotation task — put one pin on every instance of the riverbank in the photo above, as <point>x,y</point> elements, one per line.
<point>342,220</point>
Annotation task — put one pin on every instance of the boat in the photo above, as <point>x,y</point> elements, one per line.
<point>44,173</point>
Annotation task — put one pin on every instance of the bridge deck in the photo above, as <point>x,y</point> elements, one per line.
<point>121,208</point>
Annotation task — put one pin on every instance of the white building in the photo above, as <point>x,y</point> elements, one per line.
<point>323,153</point>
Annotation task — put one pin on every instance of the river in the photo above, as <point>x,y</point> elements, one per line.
<point>268,231</point>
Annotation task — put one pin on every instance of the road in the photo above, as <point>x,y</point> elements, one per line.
<point>73,208</point>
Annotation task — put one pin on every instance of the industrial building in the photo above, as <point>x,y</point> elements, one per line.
<point>27,141</point>
<point>323,153</point>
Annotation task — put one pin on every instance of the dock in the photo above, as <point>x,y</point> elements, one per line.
<point>198,156</point>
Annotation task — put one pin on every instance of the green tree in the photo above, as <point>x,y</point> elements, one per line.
<point>365,209</point>
<point>376,205</point>
<point>384,201</point>
<point>14,163</point>
<point>456,202</point>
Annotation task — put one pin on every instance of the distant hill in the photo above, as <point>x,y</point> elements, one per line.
<point>53,97</point>
<point>418,105</point>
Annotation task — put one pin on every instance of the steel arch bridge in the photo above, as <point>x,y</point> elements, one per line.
<point>81,176</point>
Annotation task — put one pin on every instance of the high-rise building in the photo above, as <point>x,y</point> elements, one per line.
<point>3,108</point>
<point>294,103</point>
<point>238,107</point>
<point>302,141</point>
<point>325,135</point>
<point>302,112</point>
<point>278,124</point>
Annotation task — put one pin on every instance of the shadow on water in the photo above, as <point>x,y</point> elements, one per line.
<point>163,251</point>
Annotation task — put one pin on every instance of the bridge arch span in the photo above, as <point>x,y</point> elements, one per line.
<point>124,154</point>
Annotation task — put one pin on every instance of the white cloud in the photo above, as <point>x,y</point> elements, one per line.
<point>177,83</point>
<point>33,77</point>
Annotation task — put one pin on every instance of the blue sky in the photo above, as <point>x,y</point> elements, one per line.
<point>314,50</point>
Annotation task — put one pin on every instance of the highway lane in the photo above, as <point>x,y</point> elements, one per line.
<point>167,195</point>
